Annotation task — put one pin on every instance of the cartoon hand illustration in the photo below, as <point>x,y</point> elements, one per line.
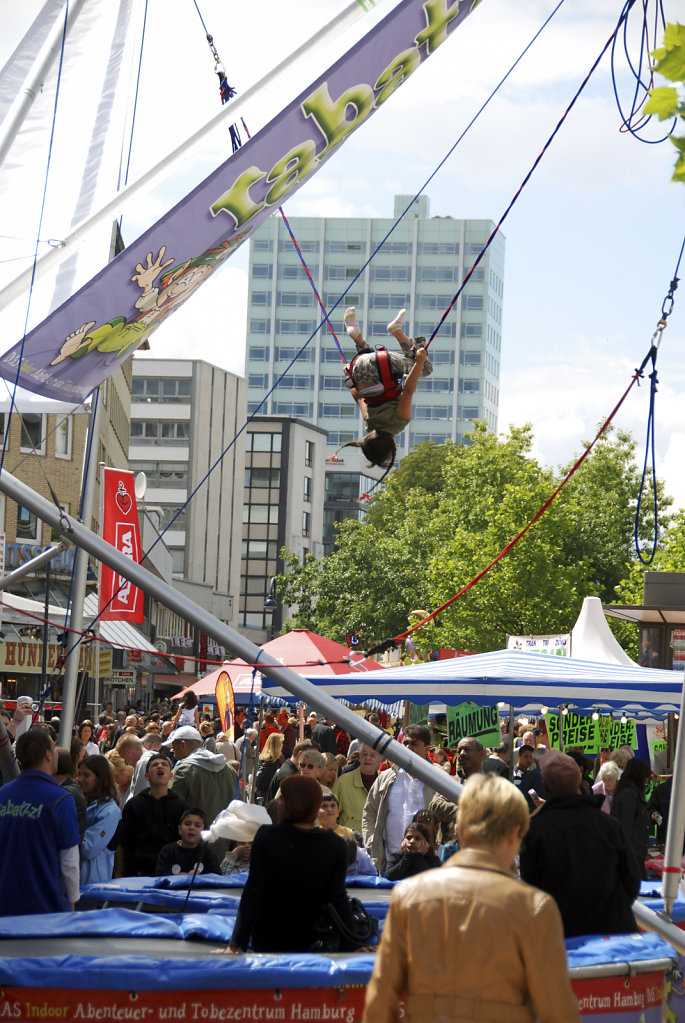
<point>145,275</point>
<point>73,342</point>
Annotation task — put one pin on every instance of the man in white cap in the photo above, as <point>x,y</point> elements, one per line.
<point>203,779</point>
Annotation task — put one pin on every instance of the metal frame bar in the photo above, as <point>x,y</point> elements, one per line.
<point>324,704</point>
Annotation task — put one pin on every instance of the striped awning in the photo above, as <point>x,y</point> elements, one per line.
<point>515,678</point>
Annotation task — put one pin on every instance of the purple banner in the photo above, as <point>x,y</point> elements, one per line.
<point>80,344</point>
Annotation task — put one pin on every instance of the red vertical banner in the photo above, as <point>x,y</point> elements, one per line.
<point>225,702</point>
<point>119,598</point>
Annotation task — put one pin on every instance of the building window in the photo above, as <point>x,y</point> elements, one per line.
<point>468,358</point>
<point>293,272</point>
<point>144,431</point>
<point>472,330</point>
<point>262,244</point>
<point>258,354</point>
<point>439,248</point>
<point>263,442</point>
<point>291,382</point>
<point>306,523</point>
<point>433,412</point>
<point>442,358</point>
<point>473,302</point>
<point>178,561</point>
<point>285,245</point>
<point>437,273</point>
<point>294,408</point>
<point>63,438</point>
<point>308,452</point>
<point>260,326</point>
<point>467,411</point>
<point>168,389</point>
<point>258,380</point>
<point>388,301</point>
<point>259,549</point>
<point>261,514</point>
<point>305,327</point>
<point>288,354</point>
<point>338,411</point>
<point>390,273</point>
<point>33,432</point>
<point>294,298</point>
<point>27,524</point>
<point>307,492</point>
<point>261,298</point>
<point>262,478</point>
<point>469,386</point>
<point>263,270</point>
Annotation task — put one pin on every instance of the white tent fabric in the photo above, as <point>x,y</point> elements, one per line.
<point>592,638</point>
<point>513,677</point>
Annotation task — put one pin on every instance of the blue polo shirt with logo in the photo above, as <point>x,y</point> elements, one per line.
<point>37,820</point>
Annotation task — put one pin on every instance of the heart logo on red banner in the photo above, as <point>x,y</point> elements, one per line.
<point>123,499</point>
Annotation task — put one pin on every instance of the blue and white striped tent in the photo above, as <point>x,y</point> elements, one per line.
<point>526,681</point>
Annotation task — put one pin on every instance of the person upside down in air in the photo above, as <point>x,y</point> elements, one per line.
<point>375,379</point>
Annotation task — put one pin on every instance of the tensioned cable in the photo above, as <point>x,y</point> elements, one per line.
<point>666,310</point>
<point>386,644</point>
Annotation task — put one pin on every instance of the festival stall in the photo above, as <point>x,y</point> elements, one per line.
<point>523,680</point>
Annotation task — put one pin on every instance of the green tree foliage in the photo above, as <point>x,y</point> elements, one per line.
<point>666,102</point>
<point>443,515</point>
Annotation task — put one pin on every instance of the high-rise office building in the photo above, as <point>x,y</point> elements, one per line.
<point>419,268</point>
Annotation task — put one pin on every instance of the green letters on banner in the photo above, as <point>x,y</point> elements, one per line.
<point>468,719</point>
<point>418,713</point>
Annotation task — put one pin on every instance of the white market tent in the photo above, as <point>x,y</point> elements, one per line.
<point>526,681</point>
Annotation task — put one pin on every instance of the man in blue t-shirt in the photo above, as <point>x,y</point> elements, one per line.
<point>38,834</point>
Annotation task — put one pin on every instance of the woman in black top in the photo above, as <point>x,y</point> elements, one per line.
<point>630,808</point>
<point>297,855</point>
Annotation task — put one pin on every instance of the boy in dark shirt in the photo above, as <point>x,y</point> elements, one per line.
<point>182,857</point>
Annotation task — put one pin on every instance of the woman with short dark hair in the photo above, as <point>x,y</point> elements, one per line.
<point>297,855</point>
<point>630,808</point>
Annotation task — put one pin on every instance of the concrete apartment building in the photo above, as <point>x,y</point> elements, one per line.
<point>419,268</point>
<point>283,507</point>
<point>184,414</point>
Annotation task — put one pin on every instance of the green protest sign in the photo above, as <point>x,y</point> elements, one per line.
<point>614,733</point>
<point>467,719</point>
<point>418,713</point>
<point>578,731</point>
<point>659,746</point>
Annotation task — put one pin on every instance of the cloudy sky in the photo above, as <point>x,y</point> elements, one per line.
<point>591,244</point>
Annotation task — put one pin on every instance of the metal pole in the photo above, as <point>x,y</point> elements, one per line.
<point>29,567</point>
<point>33,83</point>
<point>9,768</point>
<point>78,583</point>
<point>46,625</point>
<point>676,820</point>
<point>511,743</point>
<point>651,921</point>
<point>561,729</point>
<point>324,704</point>
<point>278,78</point>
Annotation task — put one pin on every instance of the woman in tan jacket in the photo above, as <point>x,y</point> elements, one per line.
<point>470,941</point>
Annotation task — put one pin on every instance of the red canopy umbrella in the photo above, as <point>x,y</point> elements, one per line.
<point>305,652</point>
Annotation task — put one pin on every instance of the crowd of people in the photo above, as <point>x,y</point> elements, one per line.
<point>305,802</point>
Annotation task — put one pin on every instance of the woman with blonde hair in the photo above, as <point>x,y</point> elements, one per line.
<point>122,774</point>
<point>474,912</point>
<point>270,759</point>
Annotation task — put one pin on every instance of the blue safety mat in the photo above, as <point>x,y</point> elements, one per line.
<point>134,889</point>
<point>596,950</point>
<point>119,922</point>
<point>654,889</point>
<point>213,972</point>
